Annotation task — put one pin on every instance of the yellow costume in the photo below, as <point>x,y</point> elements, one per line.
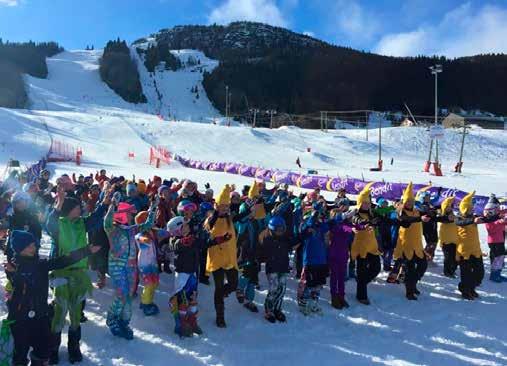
<point>365,241</point>
<point>409,238</point>
<point>447,232</point>
<point>468,236</point>
<point>223,255</point>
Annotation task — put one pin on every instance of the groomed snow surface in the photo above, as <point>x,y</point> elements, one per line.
<point>439,329</point>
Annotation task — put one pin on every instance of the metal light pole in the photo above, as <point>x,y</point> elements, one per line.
<point>271,112</point>
<point>435,70</point>
<point>227,103</point>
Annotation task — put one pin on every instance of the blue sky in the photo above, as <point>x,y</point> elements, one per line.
<point>392,27</point>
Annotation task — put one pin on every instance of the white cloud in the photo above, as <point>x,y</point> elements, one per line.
<point>309,33</point>
<point>264,11</point>
<point>353,21</point>
<point>9,2</point>
<point>463,31</point>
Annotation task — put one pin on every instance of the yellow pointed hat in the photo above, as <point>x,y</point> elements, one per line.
<point>224,198</point>
<point>254,190</point>
<point>364,196</point>
<point>408,193</point>
<point>466,203</point>
<point>446,204</point>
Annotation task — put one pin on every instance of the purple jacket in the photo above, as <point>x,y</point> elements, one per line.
<point>341,237</point>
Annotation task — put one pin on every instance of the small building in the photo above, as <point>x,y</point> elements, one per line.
<point>453,120</point>
<point>407,123</point>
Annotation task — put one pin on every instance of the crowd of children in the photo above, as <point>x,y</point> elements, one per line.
<point>134,231</point>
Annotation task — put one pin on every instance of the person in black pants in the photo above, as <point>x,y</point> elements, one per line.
<point>28,304</point>
<point>222,252</point>
<point>429,227</point>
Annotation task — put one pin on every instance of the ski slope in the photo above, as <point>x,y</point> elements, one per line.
<point>75,107</point>
<point>169,92</point>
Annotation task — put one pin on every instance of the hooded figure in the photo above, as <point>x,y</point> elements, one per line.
<point>409,246</point>
<point>468,251</point>
<point>448,236</point>
<point>468,235</point>
<point>364,247</point>
<point>222,260</point>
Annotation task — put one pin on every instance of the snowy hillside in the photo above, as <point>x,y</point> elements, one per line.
<point>440,328</point>
<point>170,93</point>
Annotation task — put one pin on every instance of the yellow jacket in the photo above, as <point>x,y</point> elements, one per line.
<point>410,239</point>
<point>364,242</point>
<point>223,255</point>
<point>468,242</point>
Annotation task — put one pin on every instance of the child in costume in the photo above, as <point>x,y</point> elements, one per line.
<point>314,232</point>
<point>68,230</point>
<point>495,225</point>
<point>222,261</point>
<point>409,247</point>
<point>275,244</point>
<point>448,236</point>
<point>147,263</point>
<point>340,240</point>
<point>468,251</point>
<point>249,229</point>
<point>183,302</point>
<point>364,249</point>
<point>383,212</point>
<point>121,232</point>
<point>28,306</point>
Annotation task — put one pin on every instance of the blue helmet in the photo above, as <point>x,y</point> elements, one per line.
<point>205,207</point>
<point>423,195</point>
<point>276,223</point>
<point>318,206</point>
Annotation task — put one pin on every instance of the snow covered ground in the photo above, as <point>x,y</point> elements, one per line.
<point>440,328</point>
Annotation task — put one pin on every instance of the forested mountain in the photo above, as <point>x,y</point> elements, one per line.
<point>17,59</point>
<point>270,67</point>
<point>119,71</point>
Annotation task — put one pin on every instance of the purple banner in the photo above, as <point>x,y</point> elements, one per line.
<point>387,190</point>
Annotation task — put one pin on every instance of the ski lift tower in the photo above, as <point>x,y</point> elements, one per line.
<point>435,70</point>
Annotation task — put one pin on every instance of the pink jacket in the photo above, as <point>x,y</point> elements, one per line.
<point>496,231</point>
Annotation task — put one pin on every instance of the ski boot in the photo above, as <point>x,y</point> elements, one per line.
<point>114,326</point>
<point>270,317</point>
<point>220,320</point>
<point>149,309</point>
<point>315,307</point>
<point>125,330</point>
<point>73,346</point>
<point>495,276</point>
<point>240,296</point>
<point>304,307</point>
<point>55,339</point>
<point>364,301</point>
<point>336,303</point>
<point>195,328</point>
<point>280,316</point>
<point>251,306</point>
<point>410,293</point>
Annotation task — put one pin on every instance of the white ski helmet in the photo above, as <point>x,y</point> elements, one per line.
<point>175,226</point>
